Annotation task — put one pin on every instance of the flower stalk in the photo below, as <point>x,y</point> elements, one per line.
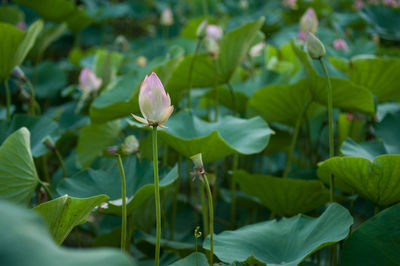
<point>123,196</point>
<point>157,197</point>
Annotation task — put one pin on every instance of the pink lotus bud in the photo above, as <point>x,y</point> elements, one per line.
<point>89,81</point>
<point>256,49</point>
<point>309,21</point>
<point>292,4</point>
<point>167,18</point>
<point>21,25</point>
<point>350,116</point>
<point>214,32</point>
<point>18,74</point>
<point>340,44</point>
<point>154,102</point>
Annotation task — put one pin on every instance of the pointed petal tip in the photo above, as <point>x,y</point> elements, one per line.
<point>140,119</point>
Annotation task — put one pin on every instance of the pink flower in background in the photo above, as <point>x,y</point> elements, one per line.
<point>21,25</point>
<point>88,80</point>
<point>292,4</point>
<point>391,3</point>
<point>308,23</point>
<point>214,32</point>
<point>154,102</point>
<point>340,44</point>
<point>167,18</point>
<point>359,4</point>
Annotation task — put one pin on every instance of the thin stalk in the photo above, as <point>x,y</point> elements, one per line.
<point>49,194</point>
<point>60,159</point>
<point>205,7</point>
<point>44,168</point>
<point>233,98</point>
<point>294,140</point>
<point>197,261</point>
<point>157,197</point>
<point>216,89</point>
<point>211,212</point>
<point>123,196</point>
<point>8,100</point>
<point>204,209</point>
<point>196,50</point>
<point>330,117</point>
<point>34,105</point>
<point>233,191</point>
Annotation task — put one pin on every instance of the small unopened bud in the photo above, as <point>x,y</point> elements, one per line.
<point>21,25</point>
<point>130,145</point>
<point>256,49</point>
<point>197,160</point>
<point>308,23</point>
<point>197,232</point>
<point>167,18</point>
<point>315,48</point>
<point>141,61</point>
<point>340,44</point>
<point>49,143</point>
<point>17,73</point>
<point>122,42</point>
<point>212,48</point>
<point>201,31</point>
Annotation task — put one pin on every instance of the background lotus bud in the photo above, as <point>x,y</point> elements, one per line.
<point>49,143</point>
<point>197,160</point>
<point>315,48</point>
<point>244,4</point>
<point>141,61</point>
<point>256,49</point>
<point>292,4</point>
<point>17,73</point>
<point>359,4</point>
<point>130,145</point>
<point>214,32</point>
<point>201,31</point>
<point>340,44</point>
<point>154,102</point>
<point>212,48</point>
<point>89,81</point>
<point>308,23</point>
<point>21,25</point>
<point>167,18</point>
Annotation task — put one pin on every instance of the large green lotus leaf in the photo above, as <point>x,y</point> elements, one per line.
<point>27,42</point>
<point>384,21</point>
<point>233,48</point>
<point>198,259</point>
<point>378,74</point>
<point>375,242</point>
<point>18,176</point>
<point>64,213</point>
<point>281,103</point>
<point>121,97</point>
<point>139,184</point>
<point>39,128</point>
<point>368,150</point>
<point>285,242</point>
<point>283,196</point>
<point>346,95</point>
<point>189,135</point>
<point>11,14</point>
<point>388,130</point>
<point>26,241</point>
<point>59,11</point>
<point>377,180</point>
<point>11,37</point>
<point>93,138</point>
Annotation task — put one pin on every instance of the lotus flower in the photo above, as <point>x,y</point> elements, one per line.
<point>308,23</point>
<point>340,44</point>
<point>88,80</point>
<point>154,102</point>
<point>214,32</point>
<point>256,49</point>
<point>315,47</point>
<point>167,18</point>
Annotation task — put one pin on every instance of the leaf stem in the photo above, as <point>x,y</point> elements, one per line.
<point>211,213</point>
<point>204,209</point>
<point>196,50</point>
<point>49,194</point>
<point>8,99</point>
<point>60,159</point>
<point>330,117</point>
<point>157,197</point>
<point>123,196</point>
<point>294,139</point>
<point>34,105</point>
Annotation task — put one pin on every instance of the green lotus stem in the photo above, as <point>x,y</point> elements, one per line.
<point>8,99</point>
<point>204,209</point>
<point>46,174</point>
<point>211,213</point>
<point>123,196</point>
<point>216,89</point>
<point>157,197</point>
<point>196,50</point>
<point>205,7</point>
<point>60,159</point>
<point>294,139</point>
<point>34,105</point>
<point>233,98</point>
<point>233,191</point>
<point>330,116</point>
